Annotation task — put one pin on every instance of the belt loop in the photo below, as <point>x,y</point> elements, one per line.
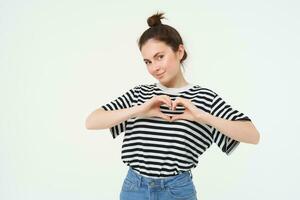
<point>191,174</point>
<point>162,184</point>
<point>140,180</point>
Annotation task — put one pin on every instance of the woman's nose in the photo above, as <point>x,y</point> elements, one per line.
<point>156,66</point>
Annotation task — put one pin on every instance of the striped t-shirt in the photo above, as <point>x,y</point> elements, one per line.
<point>157,148</point>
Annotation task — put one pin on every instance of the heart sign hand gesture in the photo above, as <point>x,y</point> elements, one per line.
<point>151,108</point>
<point>191,112</point>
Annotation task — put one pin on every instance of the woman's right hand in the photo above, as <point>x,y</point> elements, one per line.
<point>151,108</point>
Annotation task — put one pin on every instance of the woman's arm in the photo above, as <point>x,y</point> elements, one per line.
<point>102,119</point>
<point>243,131</point>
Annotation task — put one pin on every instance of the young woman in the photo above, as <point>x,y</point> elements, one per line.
<point>168,124</point>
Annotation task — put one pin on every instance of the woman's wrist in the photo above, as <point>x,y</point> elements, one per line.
<point>135,111</point>
<point>204,117</point>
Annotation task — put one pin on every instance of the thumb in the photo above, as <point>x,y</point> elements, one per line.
<point>163,116</point>
<point>176,117</point>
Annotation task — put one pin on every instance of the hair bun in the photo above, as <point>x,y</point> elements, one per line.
<point>154,20</point>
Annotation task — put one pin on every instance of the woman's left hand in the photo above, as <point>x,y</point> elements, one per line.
<point>191,112</point>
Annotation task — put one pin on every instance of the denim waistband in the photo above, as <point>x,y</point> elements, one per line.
<point>135,177</point>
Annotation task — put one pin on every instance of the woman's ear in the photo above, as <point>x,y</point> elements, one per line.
<point>180,51</point>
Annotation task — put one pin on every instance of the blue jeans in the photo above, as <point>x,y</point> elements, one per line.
<point>138,187</point>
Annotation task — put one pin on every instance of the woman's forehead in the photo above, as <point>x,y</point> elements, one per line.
<point>150,49</point>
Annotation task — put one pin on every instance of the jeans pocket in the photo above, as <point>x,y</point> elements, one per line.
<point>129,185</point>
<point>183,191</point>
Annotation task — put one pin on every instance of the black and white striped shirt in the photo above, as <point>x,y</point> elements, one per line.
<point>157,148</point>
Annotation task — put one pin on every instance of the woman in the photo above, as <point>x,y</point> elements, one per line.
<point>168,124</point>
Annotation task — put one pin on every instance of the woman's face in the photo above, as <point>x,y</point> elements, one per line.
<point>162,63</point>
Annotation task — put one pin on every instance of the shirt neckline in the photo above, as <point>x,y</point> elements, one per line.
<point>174,90</point>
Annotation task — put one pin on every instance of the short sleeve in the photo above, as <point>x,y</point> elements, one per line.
<point>126,100</point>
<point>220,108</point>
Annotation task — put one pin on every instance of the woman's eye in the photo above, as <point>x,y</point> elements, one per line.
<point>161,56</point>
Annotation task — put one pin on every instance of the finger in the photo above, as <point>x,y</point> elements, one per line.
<point>169,100</point>
<point>176,117</point>
<point>163,100</point>
<point>180,116</point>
<point>182,101</point>
<point>163,116</point>
<point>177,101</point>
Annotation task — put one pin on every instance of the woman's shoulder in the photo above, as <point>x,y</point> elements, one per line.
<point>144,87</point>
<point>203,89</point>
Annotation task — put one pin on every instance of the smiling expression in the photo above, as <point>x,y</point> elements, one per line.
<point>161,61</point>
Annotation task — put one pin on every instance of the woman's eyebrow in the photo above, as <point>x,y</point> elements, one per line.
<point>154,55</point>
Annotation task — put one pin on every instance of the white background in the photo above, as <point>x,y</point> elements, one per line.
<point>61,60</point>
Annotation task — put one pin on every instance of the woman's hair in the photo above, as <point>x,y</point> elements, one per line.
<point>161,32</point>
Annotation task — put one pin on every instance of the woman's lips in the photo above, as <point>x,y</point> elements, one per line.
<point>159,75</point>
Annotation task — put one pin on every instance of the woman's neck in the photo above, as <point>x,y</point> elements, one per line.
<point>175,83</point>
